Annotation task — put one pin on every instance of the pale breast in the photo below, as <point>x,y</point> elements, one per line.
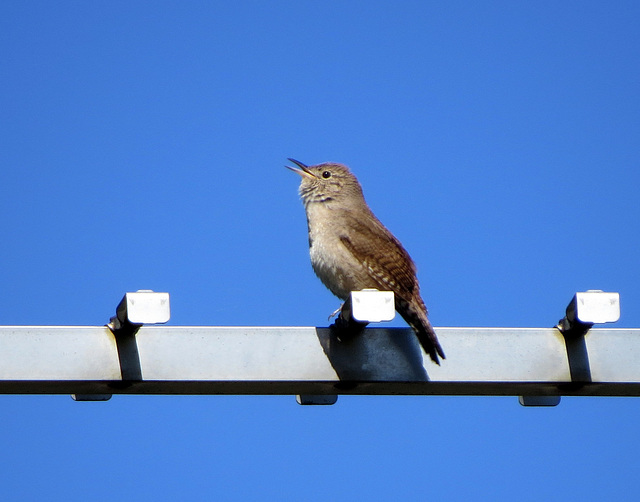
<point>331,260</point>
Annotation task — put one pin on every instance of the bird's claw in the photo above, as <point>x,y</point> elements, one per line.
<point>335,312</point>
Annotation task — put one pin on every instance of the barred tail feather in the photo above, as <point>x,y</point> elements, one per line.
<point>429,341</point>
<point>416,317</point>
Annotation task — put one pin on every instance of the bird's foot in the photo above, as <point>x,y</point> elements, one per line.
<point>345,326</point>
<point>335,312</point>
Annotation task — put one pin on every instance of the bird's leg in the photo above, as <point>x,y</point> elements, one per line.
<point>335,312</point>
<point>345,325</point>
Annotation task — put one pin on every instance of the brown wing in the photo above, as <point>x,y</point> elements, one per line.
<point>381,254</point>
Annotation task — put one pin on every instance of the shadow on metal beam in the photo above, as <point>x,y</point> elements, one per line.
<point>373,355</point>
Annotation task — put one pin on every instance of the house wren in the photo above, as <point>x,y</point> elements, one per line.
<point>351,250</point>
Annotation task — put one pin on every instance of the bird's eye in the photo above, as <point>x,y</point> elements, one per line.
<point>326,174</point>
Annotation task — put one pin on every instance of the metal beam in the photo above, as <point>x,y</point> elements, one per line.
<point>313,361</point>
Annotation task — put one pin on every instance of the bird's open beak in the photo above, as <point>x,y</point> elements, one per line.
<point>303,171</point>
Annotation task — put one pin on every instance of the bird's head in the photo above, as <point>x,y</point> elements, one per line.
<point>328,182</point>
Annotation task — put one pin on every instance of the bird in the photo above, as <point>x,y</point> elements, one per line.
<point>351,250</point>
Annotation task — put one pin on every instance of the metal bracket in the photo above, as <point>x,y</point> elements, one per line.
<point>585,309</point>
<point>316,399</point>
<point>135,309</point>
<point>361,308</point>
<point>142,307</point>
<point>539,400</point>
<point>371,305</point>
<point>588,308</point>
<point>91,397</point>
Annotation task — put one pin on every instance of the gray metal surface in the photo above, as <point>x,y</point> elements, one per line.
<point>307,361</point>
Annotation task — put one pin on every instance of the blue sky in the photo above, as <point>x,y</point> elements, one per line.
<point>143,147</point>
